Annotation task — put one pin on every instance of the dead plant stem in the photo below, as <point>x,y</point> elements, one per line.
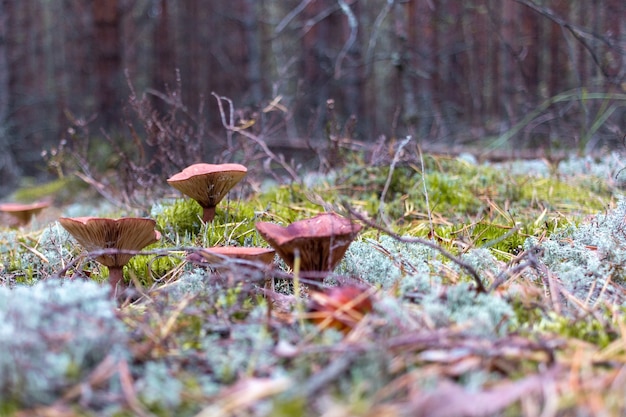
<point>383,195</point>
<point>430,213</point>
<point>467,267</point>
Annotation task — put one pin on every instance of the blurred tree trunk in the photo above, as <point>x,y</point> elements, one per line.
<point>422,33</point>
<point>164,54</point>
<point>252,34</point>
<point>26,82</point>
<point>450,63</point>
<point>349,68</point>
<point>530,41</point>
<point>583,64</point>
<point>189,55</point>
<point>406,98</point>
<point>314,56</point>
<point>108,59</point>
<point>476,60</point>
<point>558,74</point>
<point>8,167</point>
<point>5,9</point>
<point>510,83</point>
<point>614,63</point>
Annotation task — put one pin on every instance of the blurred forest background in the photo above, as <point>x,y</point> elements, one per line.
<point>538,75</point>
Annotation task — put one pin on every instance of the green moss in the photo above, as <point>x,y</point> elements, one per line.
<point>503,239</point>
<point>288,203</point>
<point>290,406</point>
<point>588,329</point>
<point>556,194</point>
<point>149,269</point>
<point>180,223</point>
<point>451,194</point>
<point>233,226</point>
<point>62,190</point>
<point>181,217</point>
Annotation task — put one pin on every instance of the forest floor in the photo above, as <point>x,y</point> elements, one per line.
<point>472,289</point>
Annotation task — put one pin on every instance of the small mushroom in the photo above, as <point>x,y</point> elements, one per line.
<point>21,214</point>
<point>321,241</point>
<point>208,184</point>
<point>216,254</point>
<point>340,307</point>
<point>126,234</point>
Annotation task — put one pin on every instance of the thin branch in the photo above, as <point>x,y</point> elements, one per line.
<point>581,34</point>
<point>467,267</point>
<point>531,261</point>
<point>371,45</point>
<point>291,15</point>
<point>354,29</point>
<point>229,126</point>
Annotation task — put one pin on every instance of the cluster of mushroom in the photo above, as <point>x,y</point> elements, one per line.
<point>317,244</point>
<point>113,242</point>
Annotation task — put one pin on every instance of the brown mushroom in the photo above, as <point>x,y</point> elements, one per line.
<point>208,184</point>
<point>340,307</point>
<point>216,254</point>
<point>126,234</point>
<point>21,214</point>
<point>321,241</point>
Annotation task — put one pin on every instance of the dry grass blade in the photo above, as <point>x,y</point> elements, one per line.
<point>128,389</point>
<point>452,400</point>
<point>245,394</point>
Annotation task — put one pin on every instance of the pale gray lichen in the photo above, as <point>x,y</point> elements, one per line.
<point>586,257</point>
<point>158,387</point>
<point>482,260</point>
<point>605,167</point>
<point>528,168</point>
<point>248,349</point>
<point>481,314</point>
<point>33,260</point>
<point>100,208</point>
<point>193,282</point>
<point>386,261</point>
<point>52,334</point>
<point>400,317</point>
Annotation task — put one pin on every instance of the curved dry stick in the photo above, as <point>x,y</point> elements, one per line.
<point>467,267</point>
<point>354,28</point>
<point>230,127</point>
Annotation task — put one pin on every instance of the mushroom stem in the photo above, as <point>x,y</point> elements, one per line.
<point>116,276</point>
<point>208,214</point>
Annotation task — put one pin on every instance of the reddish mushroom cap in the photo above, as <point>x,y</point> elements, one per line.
<point>22,213</point>
<point>97,233</point>
<point>321,240</point>
<point>340,307</point>
<point>216,254</point>
<point>208,183</point>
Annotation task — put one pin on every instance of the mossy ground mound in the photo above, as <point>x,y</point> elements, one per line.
<point>547,244</point>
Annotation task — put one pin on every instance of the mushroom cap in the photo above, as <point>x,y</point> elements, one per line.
<point>23,212</point>
<point>216,254</point>
<point>97,233</point>
<point>208,183</point>
<point>340,307</point>
<point>321,240</point>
